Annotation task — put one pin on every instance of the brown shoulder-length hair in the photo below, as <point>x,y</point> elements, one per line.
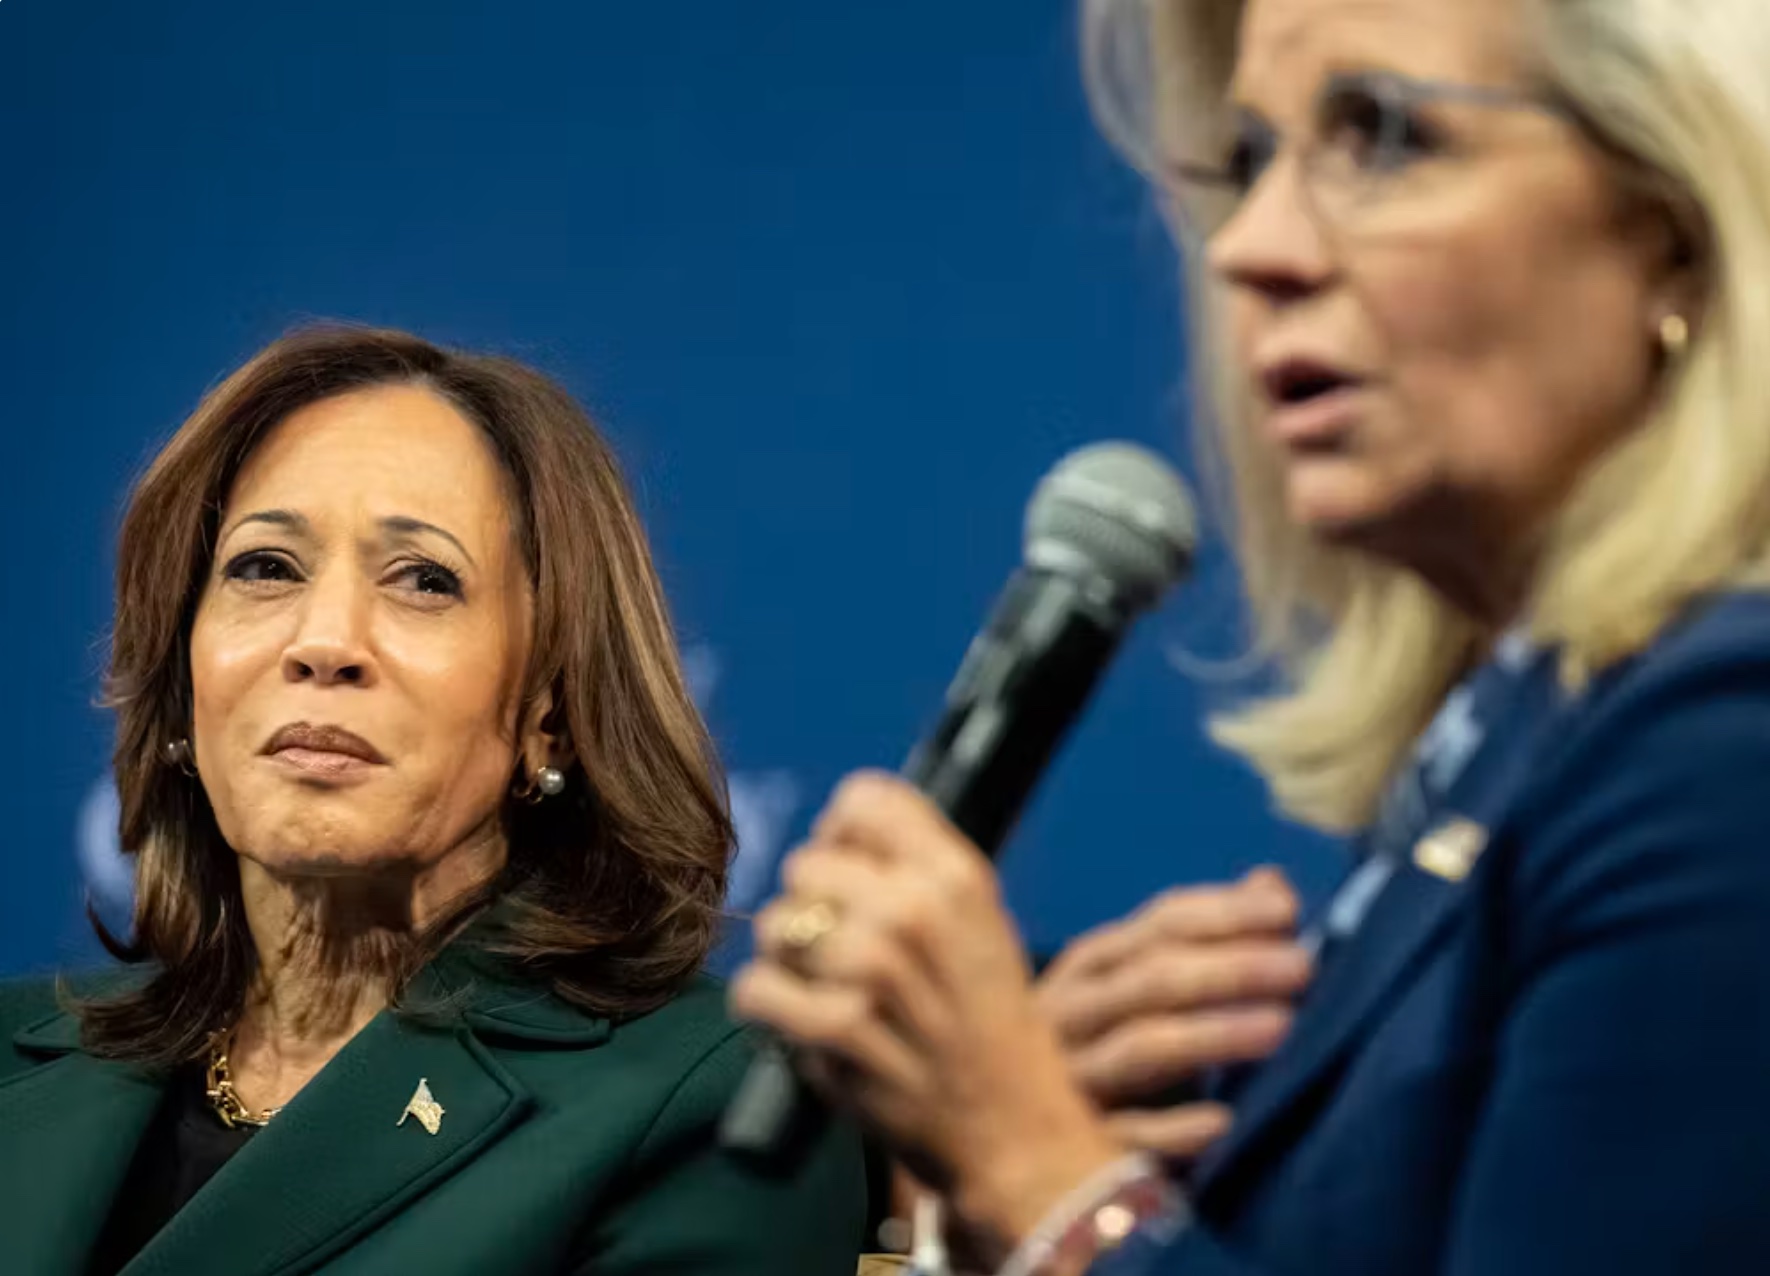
<point>613,889</point>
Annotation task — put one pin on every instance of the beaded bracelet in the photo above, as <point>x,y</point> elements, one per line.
<point>1099,1216</point>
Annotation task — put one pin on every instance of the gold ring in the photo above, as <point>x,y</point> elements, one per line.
<point>806,927</point>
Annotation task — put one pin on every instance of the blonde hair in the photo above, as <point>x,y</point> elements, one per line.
<point>1680,507</point>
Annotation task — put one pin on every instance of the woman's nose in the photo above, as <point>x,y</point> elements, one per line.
<point>331,647</point>
<point>1274,246</point>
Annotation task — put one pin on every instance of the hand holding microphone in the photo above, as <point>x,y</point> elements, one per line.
<point>917,1008</point>
<point>890,962</point>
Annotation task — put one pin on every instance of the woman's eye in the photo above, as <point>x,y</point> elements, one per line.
<point>1248,161</point>
<point>1375,131</point>
<point>1240,169</point>
<point>431,578</point>
<point>260,566</point>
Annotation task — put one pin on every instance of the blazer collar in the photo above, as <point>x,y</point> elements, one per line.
<point>489,996</point>
<point>1403,926</point>
<point>76,1122</point>
<point>482,991</point>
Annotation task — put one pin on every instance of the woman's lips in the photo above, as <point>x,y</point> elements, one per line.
<point>322,762</point>
<point>323,750</point>
<point>1318,423</point>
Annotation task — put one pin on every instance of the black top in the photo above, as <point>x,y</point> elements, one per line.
<point>183,1148</point>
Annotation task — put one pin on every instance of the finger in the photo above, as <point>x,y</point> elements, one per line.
<point>1271,878</point>
<point>889,817</point>
<point>1174,1134</point>
<point>924,940</point>
<point>1087,954</point>
<point>1144,1057</point>
<point>817,873</point>
<point>867,892</point>
<point>935,886</point>
<point>1197,914</point>
<point>854,884</point>
<point>840,871</point>
<point>874,944</point>
<point>1254,904</point>
<point>830,1019</point>
<point>1167,980</point>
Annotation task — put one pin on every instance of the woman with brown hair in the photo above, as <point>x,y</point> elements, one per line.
<point>431,845</point>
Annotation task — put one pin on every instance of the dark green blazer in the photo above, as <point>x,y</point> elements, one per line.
<point>568,1145</point>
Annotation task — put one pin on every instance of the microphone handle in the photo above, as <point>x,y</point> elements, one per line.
<point>1024,680</point>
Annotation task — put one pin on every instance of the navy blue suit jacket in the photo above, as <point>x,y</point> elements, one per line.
<point>1561,1063</point>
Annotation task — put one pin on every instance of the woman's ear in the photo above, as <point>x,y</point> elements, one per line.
<point>543,740</point>
<point>1680,265</point>
<point>1676,301</point>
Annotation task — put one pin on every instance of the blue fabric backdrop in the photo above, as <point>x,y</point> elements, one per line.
<point>840,280</point>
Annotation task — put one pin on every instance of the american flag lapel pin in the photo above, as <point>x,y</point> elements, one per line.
<point>424,1106</point>
<point>1450,850</point>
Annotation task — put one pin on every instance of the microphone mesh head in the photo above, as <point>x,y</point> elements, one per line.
<point>1117,513</point>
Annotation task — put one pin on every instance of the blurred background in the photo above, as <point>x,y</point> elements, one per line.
<point>841,282</point>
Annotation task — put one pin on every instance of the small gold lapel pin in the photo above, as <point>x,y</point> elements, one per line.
<point>425,1107</point>
<point>1450,850</point>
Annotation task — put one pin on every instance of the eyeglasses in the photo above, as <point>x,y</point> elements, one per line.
<point>1375,153</point>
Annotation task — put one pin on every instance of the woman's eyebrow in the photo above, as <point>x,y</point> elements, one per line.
<point>287,519</point>
<point>405,525</point>
<point>392,525</point>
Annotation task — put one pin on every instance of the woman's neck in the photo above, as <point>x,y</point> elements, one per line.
<point>1493,603</point>
<point>331,951</point>
<point>1484,573</point>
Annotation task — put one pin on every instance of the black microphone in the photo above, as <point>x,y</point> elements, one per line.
<point>1108,531</point>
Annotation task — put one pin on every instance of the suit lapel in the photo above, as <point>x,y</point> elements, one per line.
<point>337,1160</point>
<point>1359,980</point>
<point>1395,938</point>
<point>70,1127</point>
<point>335,1163</point>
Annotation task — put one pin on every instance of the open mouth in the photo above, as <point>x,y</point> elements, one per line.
<point>1298,383</point>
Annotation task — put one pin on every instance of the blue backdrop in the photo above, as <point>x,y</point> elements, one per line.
<point>840,280</point>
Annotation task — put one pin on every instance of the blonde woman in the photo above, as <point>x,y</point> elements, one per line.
<point>1485,284</point>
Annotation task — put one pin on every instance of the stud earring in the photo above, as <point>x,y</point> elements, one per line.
<point>547,781</point>
<point>178,753</point>
<point>1674,335</point>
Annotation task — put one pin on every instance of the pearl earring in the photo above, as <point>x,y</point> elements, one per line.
<point>550,780</point>
<point>178,753</point>
<point>1674,335</point>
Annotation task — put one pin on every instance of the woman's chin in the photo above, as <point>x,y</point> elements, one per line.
<point>333,845</point>
<point>1337,510</point>
<point>287,861</point>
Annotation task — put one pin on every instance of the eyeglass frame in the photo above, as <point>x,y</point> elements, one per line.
<point>1401,89</point>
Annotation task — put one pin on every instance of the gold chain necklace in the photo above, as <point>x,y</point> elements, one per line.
<point>220,1090</point>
